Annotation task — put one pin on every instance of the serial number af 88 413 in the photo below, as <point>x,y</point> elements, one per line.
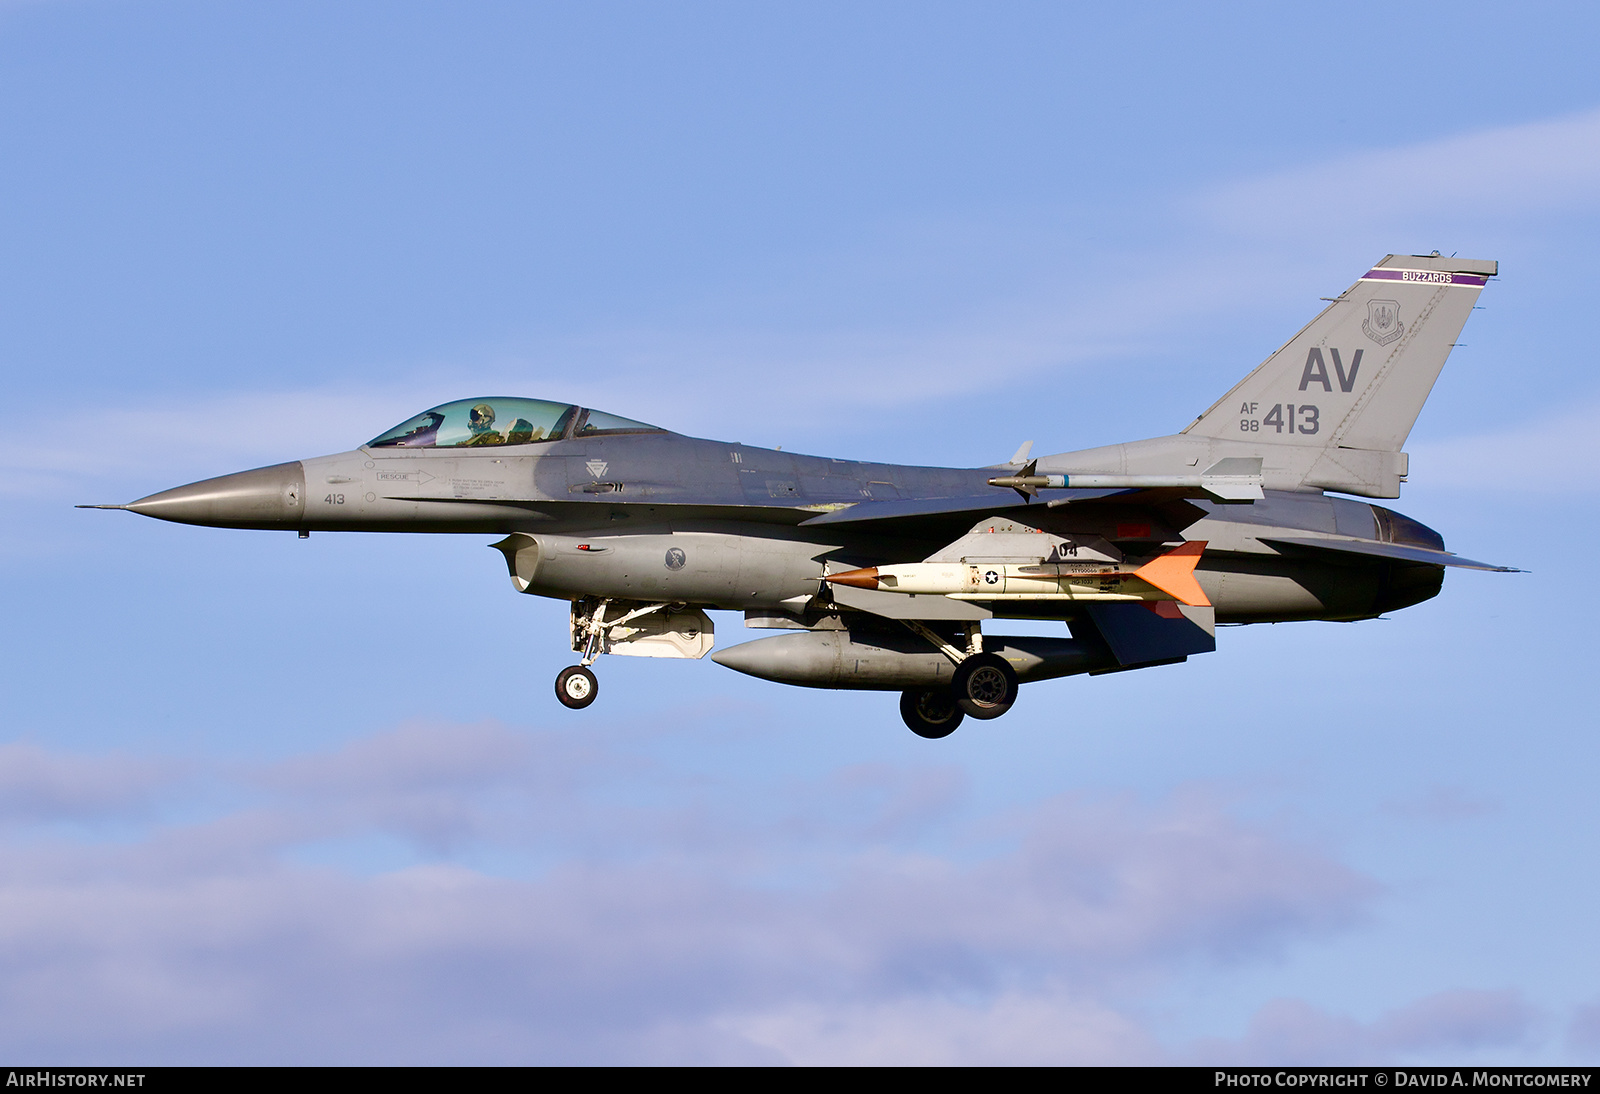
<point>1294,417</point>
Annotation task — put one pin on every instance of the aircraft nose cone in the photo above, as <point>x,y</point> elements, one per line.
<point>268,497</point>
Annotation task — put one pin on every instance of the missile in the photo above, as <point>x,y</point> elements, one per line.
<point>1169,576</point>
<point>1235,479</point>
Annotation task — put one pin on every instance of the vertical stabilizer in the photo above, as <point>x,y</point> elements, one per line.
<point>1352,383</point>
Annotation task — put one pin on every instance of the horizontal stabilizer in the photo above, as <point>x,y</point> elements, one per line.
<point>1396,551</point>
<point>1142,634</point>
<point>1235,479</point>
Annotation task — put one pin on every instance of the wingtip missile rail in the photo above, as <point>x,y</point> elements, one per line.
<point>1230,480</point>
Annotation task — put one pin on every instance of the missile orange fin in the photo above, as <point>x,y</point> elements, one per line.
<point>1173,573</point>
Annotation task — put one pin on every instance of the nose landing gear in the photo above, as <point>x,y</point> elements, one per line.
<point>576,687</point>
<point>601,625</point>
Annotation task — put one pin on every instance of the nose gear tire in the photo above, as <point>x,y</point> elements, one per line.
<point>576,687</point>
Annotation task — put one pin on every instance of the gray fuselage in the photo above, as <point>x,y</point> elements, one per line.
<point>661,516</point>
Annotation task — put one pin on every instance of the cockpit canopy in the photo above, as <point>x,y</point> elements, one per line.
<point>469,422</point>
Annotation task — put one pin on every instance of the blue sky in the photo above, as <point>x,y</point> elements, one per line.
<point>264,800</point>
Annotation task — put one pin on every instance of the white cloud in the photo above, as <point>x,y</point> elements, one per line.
<point>1584,1032</point>
<point>1447,1025</point>
<point>1550,455</point>
<point>818,931</point>
<point>182,439</point>
<point>1533,168</point>
<point>1059,1027</point>
<point>1014,1029</point>
<point>38,786</point>
<point>687,936</point>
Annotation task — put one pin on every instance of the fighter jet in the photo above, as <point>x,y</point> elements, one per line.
<point>883,575</point>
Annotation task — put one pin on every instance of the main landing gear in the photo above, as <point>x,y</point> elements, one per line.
<point>984,685</point>
<point>930,713</point>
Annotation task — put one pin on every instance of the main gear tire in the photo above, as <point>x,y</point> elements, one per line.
<point>576,687</point>
<point>984,685</point>
<point>930,713</point>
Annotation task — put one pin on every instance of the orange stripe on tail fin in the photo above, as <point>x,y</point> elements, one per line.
<point>1173,573</point>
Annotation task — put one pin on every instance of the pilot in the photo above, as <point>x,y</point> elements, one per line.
<point>480,419</point>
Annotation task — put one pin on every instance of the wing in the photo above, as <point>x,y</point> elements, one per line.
<point>1369,549</point>
<point>867,512</point>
